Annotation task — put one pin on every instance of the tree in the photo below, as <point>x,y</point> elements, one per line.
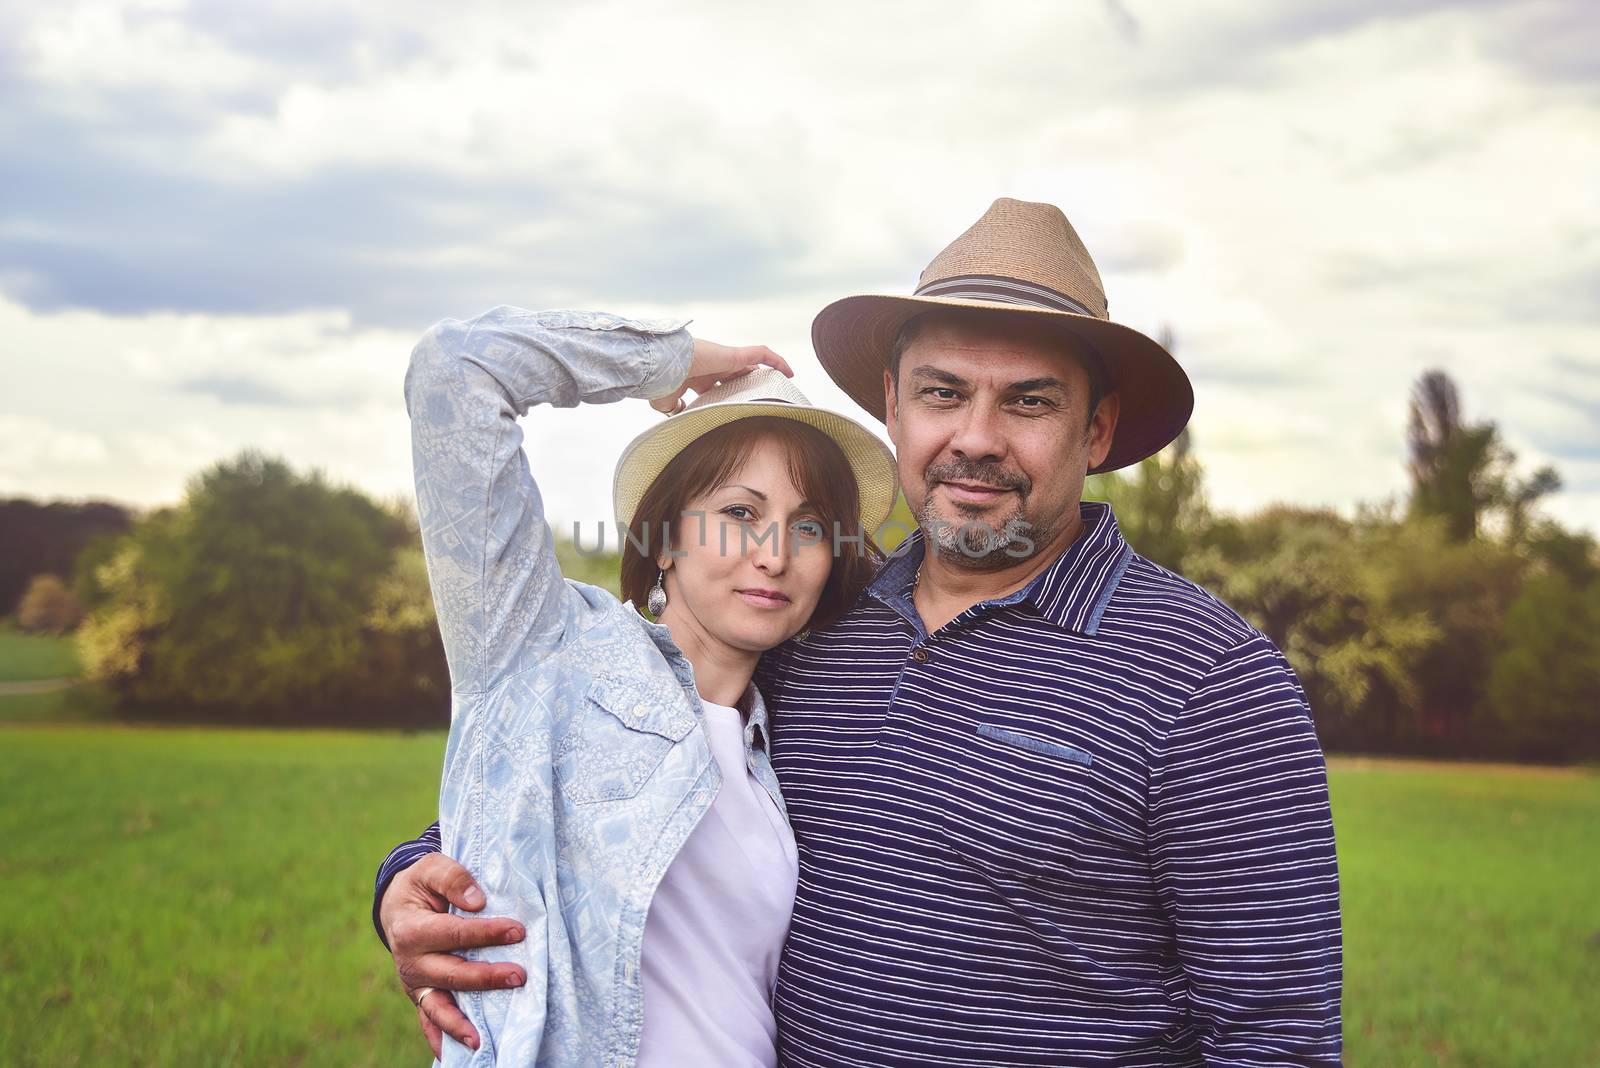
<point>1161,507</point>
<point>1544,687</point>
<point>1464,590</point>
<point>114,640</point>
<point>1305,577</point>
<point>1161,510</point>
<point>402,676</point>
<point>45,539</point>
<point>1572,555</point>
<point>48,607</point>
<point>251,600</point>
<point>1460,471</point>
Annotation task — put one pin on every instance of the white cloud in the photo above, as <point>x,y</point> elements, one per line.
<point>1322,201</point>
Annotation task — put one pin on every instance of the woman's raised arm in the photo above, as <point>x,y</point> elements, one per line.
<point>496,585</point>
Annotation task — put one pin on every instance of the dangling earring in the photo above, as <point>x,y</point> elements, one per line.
<point>657,601</point>
<point>805,632</point>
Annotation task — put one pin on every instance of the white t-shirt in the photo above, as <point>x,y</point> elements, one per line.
<point>717,923</point>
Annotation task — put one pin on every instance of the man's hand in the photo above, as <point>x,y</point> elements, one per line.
<point>424,938</point>
<point>713,363</point>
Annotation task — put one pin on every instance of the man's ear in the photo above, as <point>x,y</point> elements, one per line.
<point>1103,428</point>
<point>891,402</point>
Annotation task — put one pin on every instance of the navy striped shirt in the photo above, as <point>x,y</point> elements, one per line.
<point>1084,824</point>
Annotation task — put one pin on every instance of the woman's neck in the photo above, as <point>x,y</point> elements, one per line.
<point>721,673</point>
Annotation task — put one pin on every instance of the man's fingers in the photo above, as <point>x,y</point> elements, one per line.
<point>451,881</point>
<point>431,1032</point>
<point>415,935</point>
<point>445,972</point>
<point>440,1012</point>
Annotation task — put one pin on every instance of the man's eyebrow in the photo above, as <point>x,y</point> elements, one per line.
<point>939,375</point>
<point>1034,385</point>
<point>1027,385</point>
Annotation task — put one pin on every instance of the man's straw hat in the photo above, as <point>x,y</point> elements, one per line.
<point>763,391</point>
<point>1022,260</point>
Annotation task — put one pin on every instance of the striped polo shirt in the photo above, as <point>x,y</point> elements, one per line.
<point>1084,824</point>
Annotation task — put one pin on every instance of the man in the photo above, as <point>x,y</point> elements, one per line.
<point>1054,804</point>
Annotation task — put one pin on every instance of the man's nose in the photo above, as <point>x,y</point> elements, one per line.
<point>978,438</point>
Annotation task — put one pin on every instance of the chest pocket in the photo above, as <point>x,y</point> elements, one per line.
<point>620,736</point>
<point>1037,810</point>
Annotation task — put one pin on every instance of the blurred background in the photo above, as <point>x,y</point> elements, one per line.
<point>1368,230</point>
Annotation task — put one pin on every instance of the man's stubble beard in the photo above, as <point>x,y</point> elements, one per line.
<point>975,544</point>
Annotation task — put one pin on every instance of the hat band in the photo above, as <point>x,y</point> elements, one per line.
<point>998,289</point>
<point>743,400</point>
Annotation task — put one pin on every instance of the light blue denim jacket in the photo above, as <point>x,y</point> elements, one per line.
<point>577,762</point>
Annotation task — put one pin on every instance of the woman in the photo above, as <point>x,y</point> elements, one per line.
<point>606,778</point>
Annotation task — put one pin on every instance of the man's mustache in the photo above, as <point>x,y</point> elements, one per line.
<point>986,474</point>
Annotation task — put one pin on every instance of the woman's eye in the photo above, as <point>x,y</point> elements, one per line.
<point>739,512</point>
<point>810,529</point>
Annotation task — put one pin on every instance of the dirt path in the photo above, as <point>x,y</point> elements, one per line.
<point>8,689</point>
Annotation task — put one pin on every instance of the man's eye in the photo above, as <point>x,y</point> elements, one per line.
<point>1033,403</point>
<point>940,393</point>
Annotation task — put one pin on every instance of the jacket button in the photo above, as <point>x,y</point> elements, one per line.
<point>920,655</point>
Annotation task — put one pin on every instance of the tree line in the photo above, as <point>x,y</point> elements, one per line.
<point>1458,621</point>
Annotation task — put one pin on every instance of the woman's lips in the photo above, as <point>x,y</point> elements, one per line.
<point>763,598</point>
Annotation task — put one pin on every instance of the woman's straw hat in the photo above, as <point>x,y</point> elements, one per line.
<point>763,391</point>
<point>1020,259</point>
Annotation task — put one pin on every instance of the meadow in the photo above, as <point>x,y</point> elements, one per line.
<point>27,657</point>
<point>181,896</point>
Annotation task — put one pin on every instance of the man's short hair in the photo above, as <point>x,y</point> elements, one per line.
<point>1098,386</point>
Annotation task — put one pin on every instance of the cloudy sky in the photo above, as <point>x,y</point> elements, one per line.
<point>224,224</point>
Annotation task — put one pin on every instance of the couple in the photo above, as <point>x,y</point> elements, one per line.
<point>1050,804</point>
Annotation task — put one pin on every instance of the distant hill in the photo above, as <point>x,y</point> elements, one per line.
<point>45,538</point>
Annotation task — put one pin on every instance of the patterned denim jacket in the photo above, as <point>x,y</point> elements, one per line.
<point>577,763</point>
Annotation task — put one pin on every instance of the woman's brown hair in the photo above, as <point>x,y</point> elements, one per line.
<point>816,464</point>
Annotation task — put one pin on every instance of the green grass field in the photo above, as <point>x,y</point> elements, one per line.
<point>1472,913</point>
<point>199,896</point>
<point>26,656</point>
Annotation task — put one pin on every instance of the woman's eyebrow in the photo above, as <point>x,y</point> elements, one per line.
<point>802,506</point>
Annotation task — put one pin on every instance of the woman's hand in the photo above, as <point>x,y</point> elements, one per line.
<point>713,364</point>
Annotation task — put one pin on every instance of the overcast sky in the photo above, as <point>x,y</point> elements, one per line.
<point>224,224</point>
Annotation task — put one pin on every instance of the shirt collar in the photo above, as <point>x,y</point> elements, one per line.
<point>755,724</point>
<point>1072,592</point>
<point>756,732</point>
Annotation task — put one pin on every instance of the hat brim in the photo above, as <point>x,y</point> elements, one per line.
<point>647,455</point>
<point>852,338</point>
